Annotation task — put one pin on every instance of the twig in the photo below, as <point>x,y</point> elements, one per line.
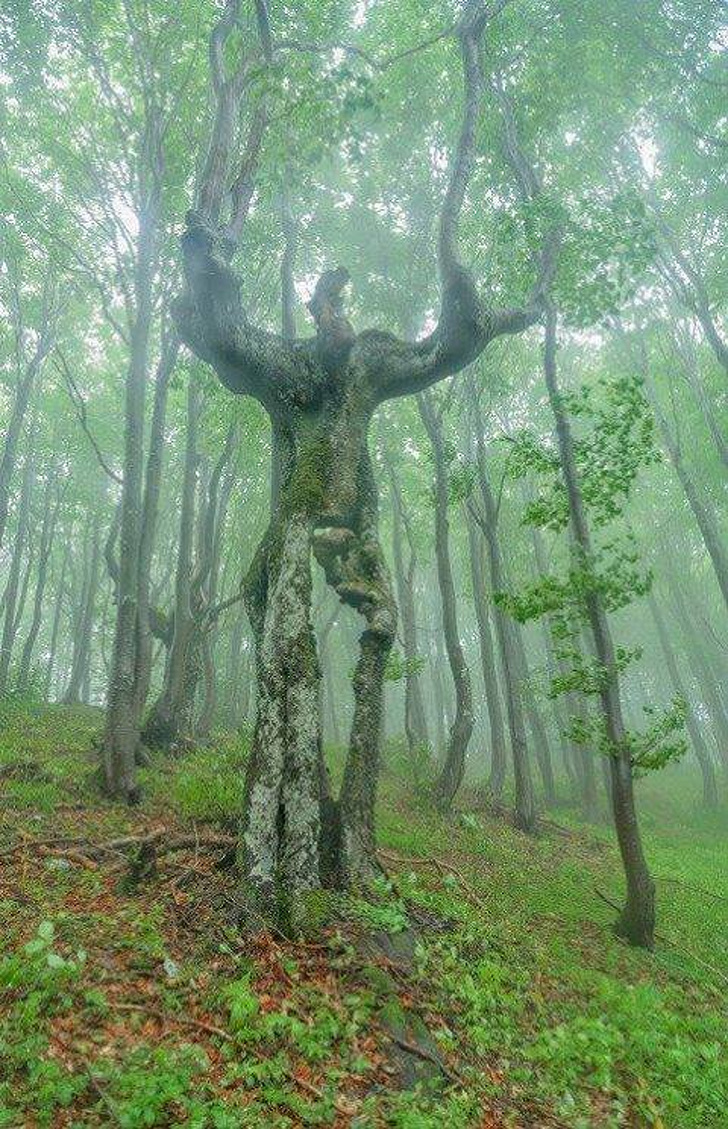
<point>687,886</point>
<point>164,1018</point>
<point>344,1108</point>
<point>80,406</point>
<point>426,1056</point>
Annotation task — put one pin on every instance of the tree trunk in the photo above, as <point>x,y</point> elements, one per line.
<point>535,722</point>
<point>704,675</point>
<point>121,735</point>
<point>525,813</point>
<point>498,748</point>
<point>415,722</point>
<point>50,517</point>
<point>280,856</point>
<point>11,594</point>
<point>85,626</point>
<point>637,920</point>
<point>171,717</point>
<point>57,612</point>
<point>150,510</point>
<point>21,401</point>
<point>453,768</point>
<point>712,538</point>
<point>710,788</point>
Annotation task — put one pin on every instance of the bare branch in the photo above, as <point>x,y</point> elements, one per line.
<point>79,405</point>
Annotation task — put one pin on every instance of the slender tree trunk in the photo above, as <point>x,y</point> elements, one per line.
<point>442,722</point>
<point>121,736</point>
<point>85,626</point>
<point>12,590</point>
<point>535,722</point>
<point>525,813</point>
<point>170,718</point>
<point>712,538</point>
<point>498,747</point>
<point>150,510</point>
<point>705,678</point>
<point>414,708</point>
<point>637,920</point>
<point>21,401</point>
<point>50,517</point>
<point>695,380</point>
<point>57,612</point>
<point>710,788</point>
<point>453,768</point>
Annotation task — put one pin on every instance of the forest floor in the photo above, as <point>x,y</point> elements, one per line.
<point>127,998</point>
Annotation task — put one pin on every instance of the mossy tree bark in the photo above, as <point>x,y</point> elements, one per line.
<point>320,393</point>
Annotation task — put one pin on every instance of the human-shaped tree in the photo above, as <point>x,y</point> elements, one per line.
<point>320,393</point>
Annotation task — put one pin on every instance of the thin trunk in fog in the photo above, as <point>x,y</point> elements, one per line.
<point>702,753</point>
<point>48,527</point>
<point>453,768</point>
<point>637,920</point>
<point>415,722</point>
<point>705,677</point>
<point>57,612</point>
<point>150,510</point>
<point>525,806</point>
<point>171,715</point>
<point>12,595</point>
<point>694,378</point>
<point>441,718</point>
<point>121,735</point>
<point>85,625</point>
<point>541,745</point>
<point>23,392</point>
<point>552,669</point>
<point>704,516</point>
<point>498,747</point>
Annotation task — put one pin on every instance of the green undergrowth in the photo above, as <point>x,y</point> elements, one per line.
<point>537,1009</point>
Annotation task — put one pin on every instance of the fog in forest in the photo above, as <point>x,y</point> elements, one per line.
<point>363,563</point>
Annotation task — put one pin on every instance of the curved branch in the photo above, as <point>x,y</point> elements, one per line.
<point>466,324</point>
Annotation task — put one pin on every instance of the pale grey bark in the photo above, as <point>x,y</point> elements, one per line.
<point>702,753</point>
<point>53,496</point>
<point>498,745</point>
<point>525,805</point>
<point>83,634</point>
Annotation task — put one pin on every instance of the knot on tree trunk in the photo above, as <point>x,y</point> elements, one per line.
<point>335,333</point>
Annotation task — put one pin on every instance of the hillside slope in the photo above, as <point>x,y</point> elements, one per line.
<point>480,985</point>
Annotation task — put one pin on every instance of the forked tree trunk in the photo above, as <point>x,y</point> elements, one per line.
<point>637,920</point>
